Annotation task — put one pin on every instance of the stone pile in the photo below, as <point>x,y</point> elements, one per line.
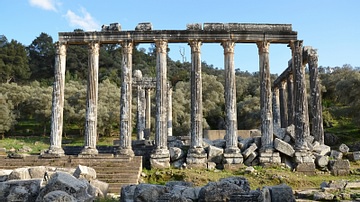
<point>227,189</point>
<point>45,184</point>
<point>317,155</point>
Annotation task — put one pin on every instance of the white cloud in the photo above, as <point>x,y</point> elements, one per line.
<point>49,5</point>
<point>85,22</point>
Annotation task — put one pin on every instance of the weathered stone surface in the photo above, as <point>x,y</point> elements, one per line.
<point>19,174</point>
<point>233,158</point>
<point>149,192</point>
<point>335,154</point>
<point>252,196</point>
<point>250,169</point>
<point>255,133</point>
<point>290,130</point>
<point>127,193</point>
<point>321,149</point>
<point>322,161</point>
<point>215,154</point>
<point>355,156</point>
<point>60,181</point>
<point>250,158</point>
<point>222,190</point>
<point>279,132</point>
<point>353,185</point>
<point>20,190</point>
<point>58,196</point>
<point>245,143</point>
<point>344,148</point>
<point>176,153</point>
<point>101,187</point>
<point>85,172</point>
<point>323,196</point>
<point>179,163</point>
<point>339,167</point>
<point>221,143</point>
<point>283,147</point>
<point>306,168</point>
<point>37,172</point>
<point>194,26</point>
<point>144,26</point>
<point>4,174</point>
<point>281,193</point>
<point>249,150</point>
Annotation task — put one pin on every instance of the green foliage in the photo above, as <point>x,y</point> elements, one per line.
<point>7,118</point>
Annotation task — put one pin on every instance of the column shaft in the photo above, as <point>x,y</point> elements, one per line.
<point>125,100</point>
<point>169,121</point>
<point>230,98</point>
<point>265,97</point>
<point>301,127</point>
<point>92,100</point>
<point>161,95</point>
<point>276,108</point>
<point>317,129</point>
<point>283,106</point>
<point>196,95</point>
<point>58,101</point>
<point>147,114</point>
<point>290,98</point>
<point>141,108</point>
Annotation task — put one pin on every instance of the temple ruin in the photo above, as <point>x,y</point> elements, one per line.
<point>282,104</point>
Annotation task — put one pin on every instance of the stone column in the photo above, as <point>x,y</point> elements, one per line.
<point>160,158</point>
<point>55,149</point>
<point>169,122</point>
<point>141,105</point>
<point>92,101</point>
<point>265,97</point>
<point>290,98</point>
<point>301,127</point>
<point>196,154</point>
<point>231,154</point>
<point>315,89</point>
<point>283,106</point>
<point>125,100</point>
<point>147,114</point>
<point>276,108</point>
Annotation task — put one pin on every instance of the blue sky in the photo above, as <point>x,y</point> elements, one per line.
<point>332,27</point>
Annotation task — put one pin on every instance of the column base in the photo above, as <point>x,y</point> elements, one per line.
<point>196,158</point>
<point>88,151</point>
<point>233,156</point>
<point>53,152</point>
<point>160,158</point>
<point>269,156</point>
<point>124,152</point>
<point>304,157</point>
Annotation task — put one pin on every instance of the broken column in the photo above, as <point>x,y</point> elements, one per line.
<point>232,153</point>
<point>267,154</point>
<point>92,101</point>
<point>283,106</point>
<point>140,106</point>
<point>317,128</point>
<point>125,100</point>
<point>302,154</point>
<point>160,157</point>
<point>196,155</point>
<point>55,149</point>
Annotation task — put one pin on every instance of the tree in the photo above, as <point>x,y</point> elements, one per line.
<point>7,118</point>
<point>42,57</point>
<point>13,62</point>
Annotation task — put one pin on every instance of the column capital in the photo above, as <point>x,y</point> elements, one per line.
<point>94,48</point>
<point>161,46</point>
<point>60,48</point>
<point>294,45</point>
<point>228,46</point>
<point>127,47</point>
<point>195,45</point>
<point>263,46</point>
<point>282,84</point>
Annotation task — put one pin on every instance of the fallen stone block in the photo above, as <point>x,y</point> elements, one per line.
<point>284,147</point>
<point>323,196</point>
<point>20,190</point>
<point>176,153</point>
<point>4,174</point>
<point>339,167</point>
<point>322,161</point>
<point>37,171</point>
<point>281,192</point>
<point>290,130</point>
<point>19,174</point>
<point>335,154</point>
<point>249,150</point>
<point>85,172</point>
<point>250,158</point>
<point>354,156</point>
<point>279,132</point>
<point>253,195</point>
<point>101,187</point>
<point>321,149</point>
<point>215,154</point>
<point>245,143</point>
<point>343,148</point>
<point>306,168</point>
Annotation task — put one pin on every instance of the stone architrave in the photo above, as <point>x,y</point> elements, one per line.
<point>301,116</point>
<point>160,158</point>
<point>125,100</point>
<point>283,106</point>
<point>55,149</point>
<point>196,154</point>
<point>317,128</point>
<point>92,101</point>
<point>232,152</point>
<point>276,108</point>
<point>265,97</point>
<point>290,98</point>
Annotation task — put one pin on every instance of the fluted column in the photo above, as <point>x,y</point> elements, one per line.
<point>147,114</point>
<point>276,108</point>
<point>92,101</point>
<point>300,122</point>
<point>290,98</point>
<point>231,153</point>
<point>57,103</point>
<point>283,106</point>
<point>141,107</point>
<point>169,112</point>
<point>315,89</point>
<point>161,156</point>
<point>265,97</point>
<point>196,154</point>
<point>125,100</point>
